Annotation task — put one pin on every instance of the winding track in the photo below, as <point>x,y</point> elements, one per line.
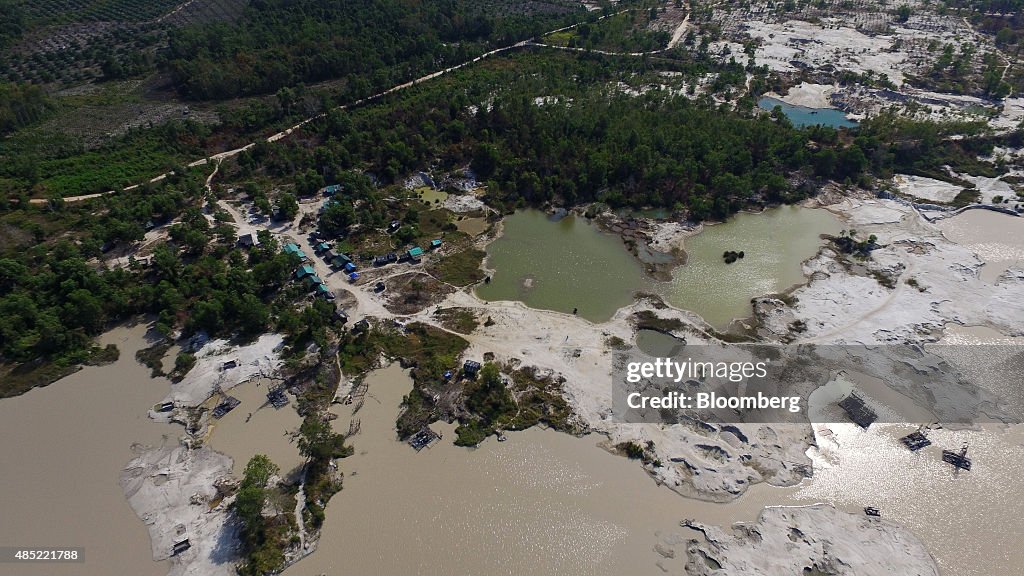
<point>219,157</point>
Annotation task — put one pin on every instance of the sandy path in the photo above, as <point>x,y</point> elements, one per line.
<point>677,36</point>
<point>288,131</point>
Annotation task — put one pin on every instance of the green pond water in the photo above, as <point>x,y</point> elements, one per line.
<point>431,196</point>
<point>559,265</point>
<point>801,116</point>
<point>658,344</point>
<point>775,242</point>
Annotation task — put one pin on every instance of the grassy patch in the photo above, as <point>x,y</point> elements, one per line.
<point>540,401</point>
<point>559,38</point>
<point>369,245</point>
<point>461,268</point>
<point>412,292</point>
<point>885,279</point>
<point>966,197</point>
<point>461,320</point>
<point>635,451</point>
<point>430,352</point>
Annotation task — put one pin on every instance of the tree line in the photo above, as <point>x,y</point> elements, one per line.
<point>372,44</point>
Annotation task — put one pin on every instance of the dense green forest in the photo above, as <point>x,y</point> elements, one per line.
<point>558,131</point>
<point>624,33</point>
<point>372,44</point>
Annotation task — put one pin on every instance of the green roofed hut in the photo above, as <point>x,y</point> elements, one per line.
<point>294,249</point>
<point>435,244</point>
<point>314,280</point>
<point>415,253</point>
<point>304,271</point>
<point>340,261</point>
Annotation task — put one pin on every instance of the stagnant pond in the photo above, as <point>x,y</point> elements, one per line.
<point>561,265</point>
<point>566,264</point>
<point>775,243</point>
<point>996,238</point>
<point>801,116</point>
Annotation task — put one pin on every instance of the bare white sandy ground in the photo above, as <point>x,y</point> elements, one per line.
<point>209,375</point>
<point>812,44</point>
<point>990,188</point>
<point>866,40</point>
<point>935,282</point>
<point>463,203</point>
<point>807,95</point>
<point>786,540</point>
<point>928,189</point>
<point>171,489</point>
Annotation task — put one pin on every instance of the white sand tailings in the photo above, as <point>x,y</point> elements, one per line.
<point>788,540</point>
<point>841,305</point>
<point>171,489</point>
<point>926,188</point>
<point>259,358</point>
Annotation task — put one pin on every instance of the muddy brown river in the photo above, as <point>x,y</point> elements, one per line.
<point>540,503</point>
<point>63,450</point>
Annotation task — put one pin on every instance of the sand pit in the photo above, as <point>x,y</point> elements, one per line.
<point>698,462</point>
<point>809,540</point>
<point>808,95</point>
<point>931,281</point>
<point>221,366</point>
<point>928,189</point>
<point>172,489</point>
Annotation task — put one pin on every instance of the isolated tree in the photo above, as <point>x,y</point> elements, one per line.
<point>287,206</point>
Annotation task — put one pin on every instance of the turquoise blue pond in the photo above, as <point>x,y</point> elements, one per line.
<point>802,116</point>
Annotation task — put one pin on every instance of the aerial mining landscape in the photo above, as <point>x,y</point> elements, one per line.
<point>689,287</point>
